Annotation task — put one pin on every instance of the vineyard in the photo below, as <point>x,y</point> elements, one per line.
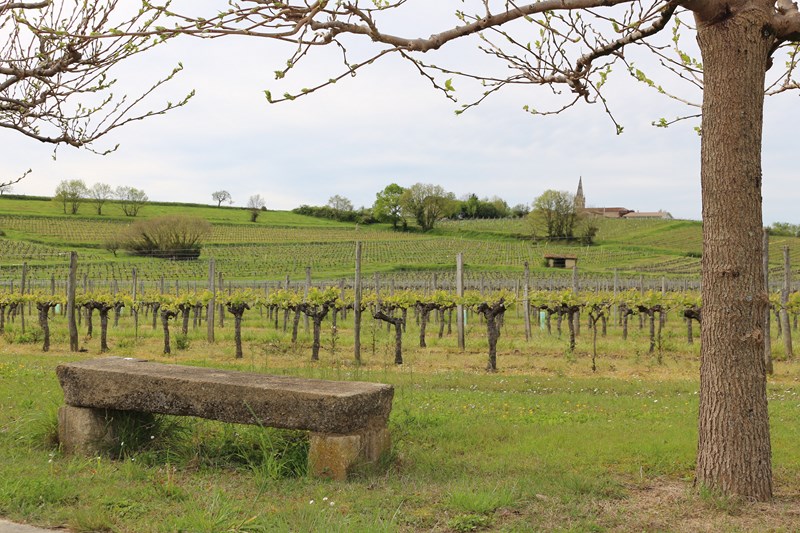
<point>558,368</point>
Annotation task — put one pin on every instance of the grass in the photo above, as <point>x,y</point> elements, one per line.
<point>543,444</point>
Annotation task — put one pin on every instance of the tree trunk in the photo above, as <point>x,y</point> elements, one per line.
<point>185,312</point>
<point>45,325</point>
<point>571,323</point>
<point>237,334</point>
<point>104,329</point>
<point>624,317</point>
<point>317,325</point>
<point>424,315</point>
<point>733,453</point>
<point>165,325</point>
<point>295,325</point>
<point>398,341</point>
<point>493,334</point>
<point>89,322</point>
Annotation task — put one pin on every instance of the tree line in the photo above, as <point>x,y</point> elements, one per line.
<point>553,215</point>
<point>71,194</point>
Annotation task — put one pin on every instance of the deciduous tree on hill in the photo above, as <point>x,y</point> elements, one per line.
<point>100,193</point>
<point>556,211</point>
<point>339,204</point>
<point>131,200</point>
<point>428,204</point>
<point>388,206</point>
<point>222,196</point>
<point>256,204</point>
<point>70,194</point>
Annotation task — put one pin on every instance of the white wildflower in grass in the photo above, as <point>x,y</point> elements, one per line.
<point>310,502</point>
<point>325,499</point>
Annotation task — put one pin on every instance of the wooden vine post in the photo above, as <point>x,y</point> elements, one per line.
<point>71,281</point>
<point>357,306</point>
<point>460,296</point>
<point>767,339</point>
<point>22,293</point>
<point>135,307</point>
<point>305,296</point>
<point>787,288</point>
<point>526,302</point>
<point>212,302</point>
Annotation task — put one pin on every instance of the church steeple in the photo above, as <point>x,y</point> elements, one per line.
<point>580,199</point>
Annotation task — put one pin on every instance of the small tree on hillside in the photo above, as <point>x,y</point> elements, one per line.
<point>100,193</point>
<point>256,204</point>
<point>70,194</point>
<point>339,204</point>
<point>388,206</point>
<point>222,196</point>
<point>556,211</point>
<point>131,200</point>
<point>428,204</point>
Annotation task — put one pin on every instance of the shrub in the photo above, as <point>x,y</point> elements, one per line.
<point>182,341</point>
<point>176,237</point>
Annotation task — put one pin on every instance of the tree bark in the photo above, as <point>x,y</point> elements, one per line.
<point>89,322</point>
<point>424,317</point>
<point>733,453</point>
<point>44,324</point>
<point>295,324</point>
<point>237,334</point>
<point>398,333</point>
<point>104,328</point>
<point>165,316</point>
<point>185,312</point>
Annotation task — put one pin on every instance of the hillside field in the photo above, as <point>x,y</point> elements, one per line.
<point>280,244</point>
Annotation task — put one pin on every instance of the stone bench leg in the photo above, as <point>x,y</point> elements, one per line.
<point>335,456</point>
<point>85,431</point>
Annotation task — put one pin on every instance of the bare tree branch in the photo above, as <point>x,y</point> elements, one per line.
<point>5,185</point>
<point>56,80</point>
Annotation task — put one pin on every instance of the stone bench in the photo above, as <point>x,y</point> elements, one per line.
<point>347,420</point>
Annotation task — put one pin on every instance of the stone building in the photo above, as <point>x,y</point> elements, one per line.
<point>613,212</point>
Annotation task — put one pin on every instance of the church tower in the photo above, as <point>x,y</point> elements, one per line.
<point>580,199</point>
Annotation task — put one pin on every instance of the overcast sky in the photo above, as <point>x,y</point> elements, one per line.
<point>387,124</point>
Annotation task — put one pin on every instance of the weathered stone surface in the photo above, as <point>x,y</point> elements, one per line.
<point>85,431</point>
<point>335,456</point>
<point>328,407</point>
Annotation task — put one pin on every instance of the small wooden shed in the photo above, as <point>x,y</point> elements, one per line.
<point>561,260</point>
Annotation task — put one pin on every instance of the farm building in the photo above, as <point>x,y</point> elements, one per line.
<point>561,260</point>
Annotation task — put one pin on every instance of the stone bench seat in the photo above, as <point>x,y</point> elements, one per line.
<point>347,420</point>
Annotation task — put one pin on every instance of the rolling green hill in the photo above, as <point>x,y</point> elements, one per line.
<point>36,232</point>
